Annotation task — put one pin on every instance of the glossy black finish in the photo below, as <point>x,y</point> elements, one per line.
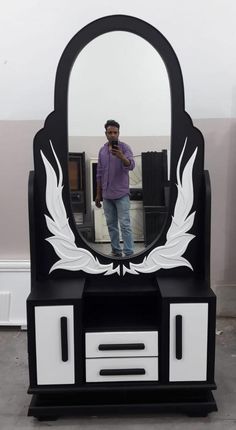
<point>56,131</point>
<point>186,290</point>
<point>117,302</point>
<point>194,403</point>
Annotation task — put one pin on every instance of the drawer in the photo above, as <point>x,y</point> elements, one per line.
<point>122,369</point>
<point>121,344</point>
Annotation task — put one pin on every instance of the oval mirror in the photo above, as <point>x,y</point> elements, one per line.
<point>120,76</point>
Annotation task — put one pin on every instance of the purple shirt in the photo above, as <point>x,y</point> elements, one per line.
<point>112,175</point>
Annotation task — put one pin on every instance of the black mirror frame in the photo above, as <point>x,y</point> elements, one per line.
<point>56,131</point>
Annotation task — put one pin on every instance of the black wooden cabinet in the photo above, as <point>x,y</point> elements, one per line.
<point>188,316</point>
<point>121,340</point>
<point>55,334</point>
<point>122,335</point>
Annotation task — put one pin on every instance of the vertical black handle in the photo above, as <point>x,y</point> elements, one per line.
<point>178,337</point>
<point>64,339</point>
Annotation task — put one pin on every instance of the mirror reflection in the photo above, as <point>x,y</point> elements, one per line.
<point>119,76</point>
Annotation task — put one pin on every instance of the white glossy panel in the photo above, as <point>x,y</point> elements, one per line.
<point>50,367</point>
<point>148,338</point>
<point>193,365</point>
<point>94,365</point>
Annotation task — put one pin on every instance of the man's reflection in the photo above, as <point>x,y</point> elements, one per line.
<point>115,160</point>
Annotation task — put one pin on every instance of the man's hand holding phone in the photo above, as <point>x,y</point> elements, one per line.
<point>115,150</point>
<point>114,144</point>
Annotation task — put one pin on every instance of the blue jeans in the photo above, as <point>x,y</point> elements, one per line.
<point>118,210</point>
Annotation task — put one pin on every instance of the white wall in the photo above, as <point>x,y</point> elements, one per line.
<point>33,35</point>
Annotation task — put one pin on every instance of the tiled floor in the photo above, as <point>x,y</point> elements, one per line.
<point>14,400</point>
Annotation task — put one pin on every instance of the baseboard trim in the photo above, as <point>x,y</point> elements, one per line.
<point>14,265</point>
<point>226,299</point>
<point>14,289</point>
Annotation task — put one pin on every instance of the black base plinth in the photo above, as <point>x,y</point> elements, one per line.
<point>52,406</point>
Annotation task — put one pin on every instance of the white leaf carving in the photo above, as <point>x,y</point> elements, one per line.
<point>169,255</point>
<point>63,240</point>
<point>73,258</point>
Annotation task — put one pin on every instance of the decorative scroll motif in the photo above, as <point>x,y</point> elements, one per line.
<point>163,257</point>
<point>63,240</point>
<point>169,255</point>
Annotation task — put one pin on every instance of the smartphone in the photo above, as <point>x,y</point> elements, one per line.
<point>114,144</point>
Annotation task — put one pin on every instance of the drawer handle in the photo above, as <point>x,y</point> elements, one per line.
<point>120,346</point>
<point>64,339</point>
<point>178,337</point>
<point>111,372</point>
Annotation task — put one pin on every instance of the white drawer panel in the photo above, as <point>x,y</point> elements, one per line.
<point>121,344</point>
<point>147,367</point>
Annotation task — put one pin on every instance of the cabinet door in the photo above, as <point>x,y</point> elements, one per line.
<point>54,338</point>
<point>188,341</point>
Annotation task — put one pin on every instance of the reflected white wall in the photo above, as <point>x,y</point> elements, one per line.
<point>121,76</point>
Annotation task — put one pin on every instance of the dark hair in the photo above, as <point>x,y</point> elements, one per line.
<point>113,123</point>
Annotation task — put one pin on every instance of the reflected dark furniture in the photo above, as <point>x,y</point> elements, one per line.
<point>155,193</point>
<point>77,180</point>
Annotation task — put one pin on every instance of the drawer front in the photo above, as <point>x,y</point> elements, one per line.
<point>122,369</point>
<point>121,344</point>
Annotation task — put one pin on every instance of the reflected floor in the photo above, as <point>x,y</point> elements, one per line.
<point>105,247</point>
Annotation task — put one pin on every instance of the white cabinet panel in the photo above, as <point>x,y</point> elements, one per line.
<point>193,364</point>
<point>149,366</point>
<point>50,367</point>
<point>147,339</point>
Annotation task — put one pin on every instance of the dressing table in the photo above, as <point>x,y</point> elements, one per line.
<point>120,335</point>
